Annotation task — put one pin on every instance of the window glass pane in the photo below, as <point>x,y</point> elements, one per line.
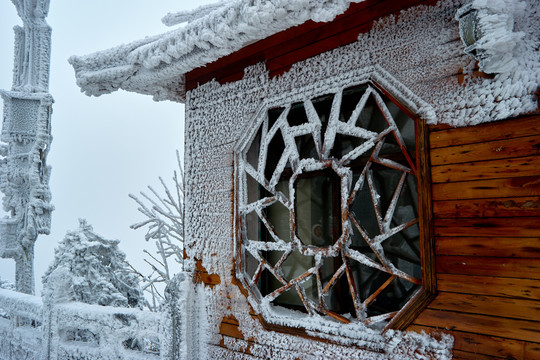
<point>273,116</point>
<point>351,97</point>
<point>252,155</point>
<point>346,143</point>
<point>323,106</point>
<point>297,115</point>
<point>317,208</point>
<point>404,123</point>
<point>275,150</point>
<point>296,265</point>
<point>371,117</point>
<point>278,216</point>
<point>392,298</point>
<point>363,210</point>
<point>306,147</point>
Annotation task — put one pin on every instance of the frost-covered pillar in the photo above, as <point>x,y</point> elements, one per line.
<point>25,142</point>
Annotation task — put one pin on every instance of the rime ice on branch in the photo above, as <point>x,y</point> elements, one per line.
<point>165,225</point>
<point>26,138</point>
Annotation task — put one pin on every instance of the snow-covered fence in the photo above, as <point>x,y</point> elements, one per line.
<point>30,329</point>
<point>82,331</point>
<point>20,325</point>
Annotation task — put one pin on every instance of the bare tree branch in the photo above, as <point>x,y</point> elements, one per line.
<point>164,223</point>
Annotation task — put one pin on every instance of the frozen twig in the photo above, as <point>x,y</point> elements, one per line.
<point>164,223</point>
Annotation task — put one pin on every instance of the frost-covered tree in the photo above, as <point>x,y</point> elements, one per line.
<point>91,269</point>
<point>165,227</point>
<point>6,284</point>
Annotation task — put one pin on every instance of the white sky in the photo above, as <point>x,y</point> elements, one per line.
<point>107,147</point>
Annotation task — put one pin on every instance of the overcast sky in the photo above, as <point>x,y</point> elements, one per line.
<point>107,147</point>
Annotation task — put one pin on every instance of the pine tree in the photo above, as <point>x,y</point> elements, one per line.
<point>91,269</point>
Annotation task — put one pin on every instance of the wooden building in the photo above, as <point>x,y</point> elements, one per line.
<point>353,168</point>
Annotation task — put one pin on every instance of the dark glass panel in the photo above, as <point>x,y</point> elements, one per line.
<point>252,189</point>
<point>297,115</point>
<point>296,265</point>
<point>290,299</point>
<point>252,155</point>
<point>273,116</point>
<point>323,106</point>
<point>338,298</point>
<point>385,181</point>
<point>404,123</point>
<point>278,216</point>
<point>306,147</point>
<point>393,297</point>
<point>283,187</point>
<point>273,256</point>
<point>371,117</point>
<point>359,244</point>
<point>251,264</point>
<point>346,143</point>
<point>253,226</point>
<point>398,249</point>
<point>351,97</point>
<point>363,210</point>
<point>367,279</point>
<point>268,282</point>
<point>318,208</point>
<point>275,150</point>
<point>407,204</point>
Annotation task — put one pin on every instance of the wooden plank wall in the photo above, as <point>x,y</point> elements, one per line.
<point>486,204</point>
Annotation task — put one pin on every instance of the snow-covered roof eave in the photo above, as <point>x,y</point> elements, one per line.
<point>157,65</point>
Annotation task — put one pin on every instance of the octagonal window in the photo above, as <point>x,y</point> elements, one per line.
<point>329,211</point>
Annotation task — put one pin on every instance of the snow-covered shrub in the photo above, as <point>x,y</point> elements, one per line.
<point>5,284</point>
<point>91,269</point>
<point>165,226</point>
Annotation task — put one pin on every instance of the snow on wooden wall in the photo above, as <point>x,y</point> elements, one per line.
<point>421,50</point>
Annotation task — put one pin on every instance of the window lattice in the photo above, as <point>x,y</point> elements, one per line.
<point>328,207</point>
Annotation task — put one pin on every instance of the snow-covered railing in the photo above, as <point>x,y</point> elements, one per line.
<point>21,325</point>
<point>104,332</point>
<point>30,329</point>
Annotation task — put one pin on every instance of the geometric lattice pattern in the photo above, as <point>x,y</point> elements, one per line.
<point>328,207</point>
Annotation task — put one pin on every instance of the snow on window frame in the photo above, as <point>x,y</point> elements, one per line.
<point>280,318</point>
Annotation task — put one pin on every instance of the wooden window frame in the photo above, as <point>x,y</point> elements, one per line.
<point>428,280</point>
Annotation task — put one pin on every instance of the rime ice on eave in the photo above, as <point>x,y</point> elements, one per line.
<point>156,65</point>
<point>25,142</point>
